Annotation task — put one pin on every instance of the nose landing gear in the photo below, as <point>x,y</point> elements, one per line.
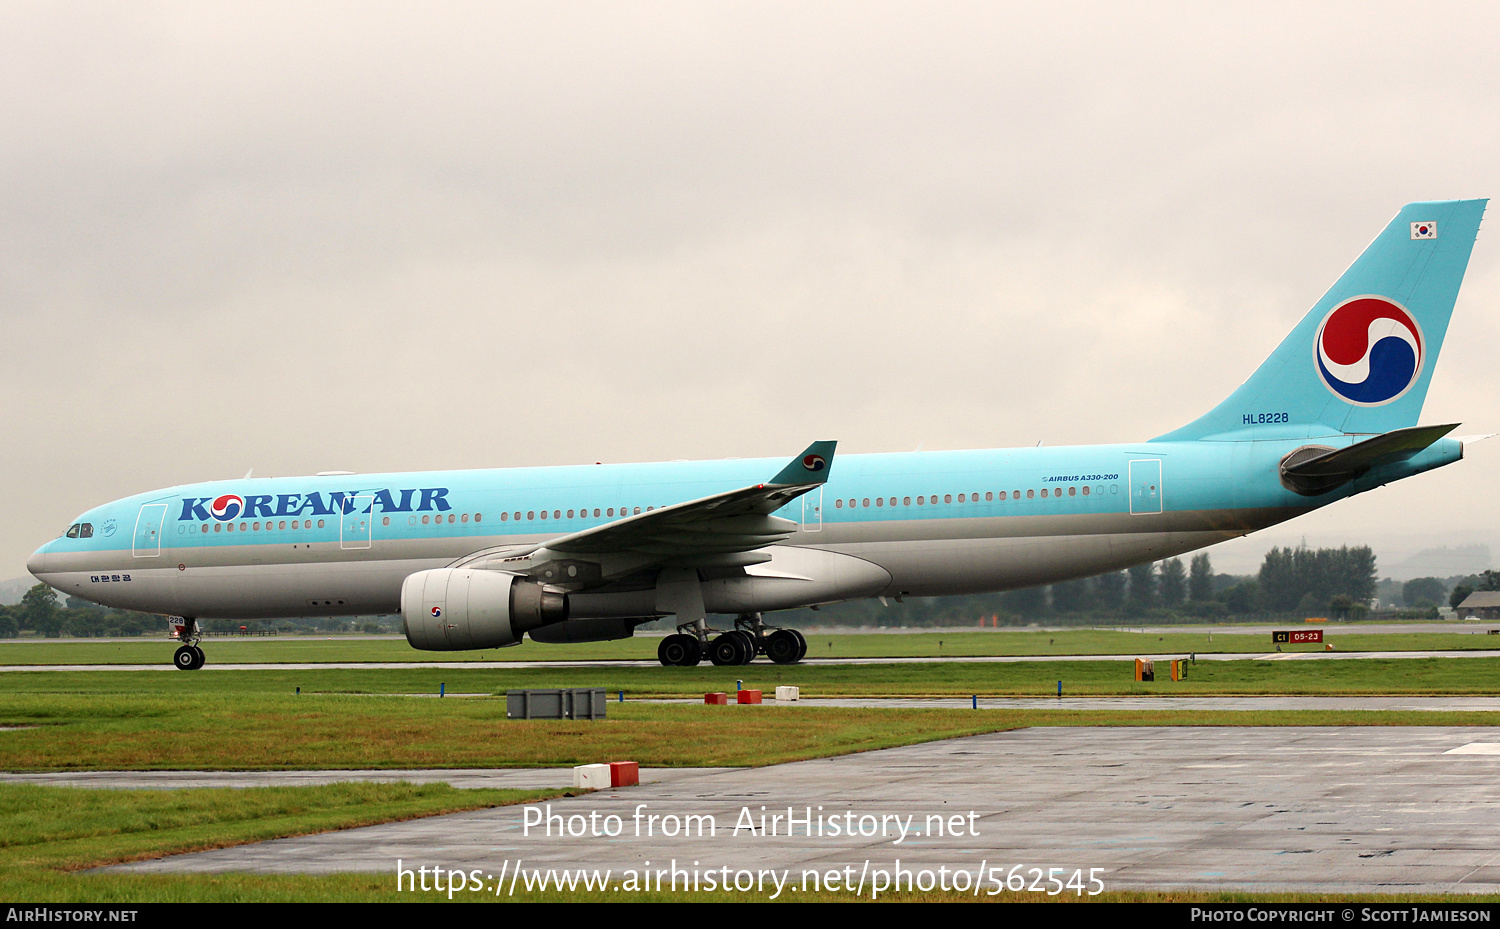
<point>188,657</point>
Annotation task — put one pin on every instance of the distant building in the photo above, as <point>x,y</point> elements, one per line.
<point>1481,604</point>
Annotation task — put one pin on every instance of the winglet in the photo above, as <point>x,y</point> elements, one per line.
<point>810,467</point>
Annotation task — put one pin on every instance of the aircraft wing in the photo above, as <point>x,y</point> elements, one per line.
<point>722,529</point>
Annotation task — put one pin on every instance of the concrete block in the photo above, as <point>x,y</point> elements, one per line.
<point>624,774</point>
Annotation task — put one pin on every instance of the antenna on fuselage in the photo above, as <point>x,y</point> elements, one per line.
<point>248,473</point>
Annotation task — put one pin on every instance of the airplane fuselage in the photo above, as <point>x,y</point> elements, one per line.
<point>920,524</point>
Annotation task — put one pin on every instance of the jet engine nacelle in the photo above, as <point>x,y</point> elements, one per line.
<point>452,609</point>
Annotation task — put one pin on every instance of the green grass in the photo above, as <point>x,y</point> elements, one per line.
<point>1364,676</point>
<point>115,732</point>
<point>48,832</point>
<point>245,731</point>
<point>231,650</point>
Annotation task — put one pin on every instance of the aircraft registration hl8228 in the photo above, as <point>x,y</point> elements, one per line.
<point>477,559</point>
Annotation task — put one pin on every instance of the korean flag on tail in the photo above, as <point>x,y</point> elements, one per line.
<point>1424,230</point>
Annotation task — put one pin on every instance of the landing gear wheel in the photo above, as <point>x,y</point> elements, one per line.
<point>801,644</point>
<point>728,649</point>
<point>186,658</point>
<point>748,640</point>
<point>782,647</point>
<point>682,651</point>
<point>201,658</point>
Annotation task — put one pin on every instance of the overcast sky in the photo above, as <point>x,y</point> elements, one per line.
<point>377,237</point>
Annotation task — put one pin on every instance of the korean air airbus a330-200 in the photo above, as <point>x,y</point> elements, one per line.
<point>477,559</point>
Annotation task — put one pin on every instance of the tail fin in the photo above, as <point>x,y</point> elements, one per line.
<point>1361,360</point>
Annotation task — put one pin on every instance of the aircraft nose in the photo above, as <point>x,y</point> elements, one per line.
<point>37,563</point>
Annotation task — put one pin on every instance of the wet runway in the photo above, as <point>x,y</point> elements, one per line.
<point>1320,810</point>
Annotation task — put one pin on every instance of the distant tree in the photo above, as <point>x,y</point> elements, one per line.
<point>1343,606</point>
<point>1422,592</point>
<point>1291,579</point>
<point>1459,595</point>
<point>1201,579</point>
<point>1073,596</point>
<point>1026,603</point>
<point>1142,586</point>
<point>1244,597</point>
<point>1172,583</point>
<point>1110,590</point>
<point>39,611</point>
<point>9,628</point>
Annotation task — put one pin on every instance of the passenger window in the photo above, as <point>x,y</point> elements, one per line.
<point>1030,494</point>
<point>960,498</point>
<point>989,496</point>
<point>1072,491</point>
<point>386,521</point>
<point>1085,490</point>
<point>464,518</point>
<point>1044,491</point>
<point>425,519</point>
<point>570,514</point>
<point>947,498</point>
<point>838,504</point>
<point>867,501</point>
<point>906,501</point>
<point>479,517</point>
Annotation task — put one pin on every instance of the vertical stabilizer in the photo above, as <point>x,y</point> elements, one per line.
<point>1361,360</point>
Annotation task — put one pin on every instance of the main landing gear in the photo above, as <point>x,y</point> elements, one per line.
<point>738,646</point>
<point>188,657</point>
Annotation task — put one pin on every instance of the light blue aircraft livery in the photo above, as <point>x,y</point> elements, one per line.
<point>477,559</point>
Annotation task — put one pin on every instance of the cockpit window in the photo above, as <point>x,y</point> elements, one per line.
<point>85,530</point>
<point>73,531</point>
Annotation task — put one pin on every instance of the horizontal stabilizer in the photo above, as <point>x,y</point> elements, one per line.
<point>1398,445</point>
<point>1313,471</point>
